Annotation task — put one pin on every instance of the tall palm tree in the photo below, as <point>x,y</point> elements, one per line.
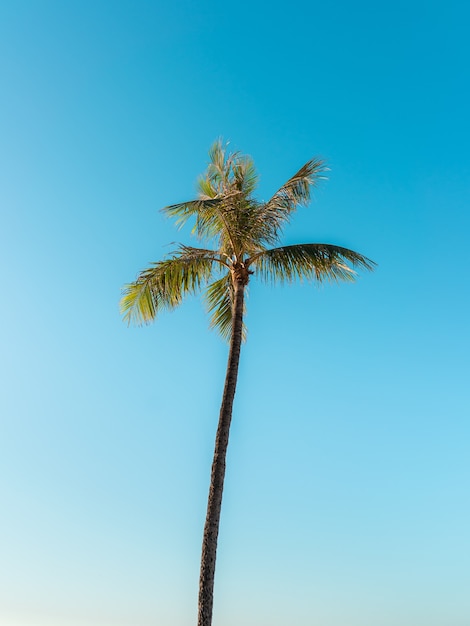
<point>242,236</point>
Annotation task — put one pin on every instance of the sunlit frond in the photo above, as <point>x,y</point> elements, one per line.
<point>227,172</point>
<point>206,188</point>
<point>294,193</point>
<point>165,283</point>
<point>219,162</point>
<point>311,261</point>
<point>245,176</point>
<point>189,253</point>
<point>183,211</point>
<point>219,298</point>
<point>297,190</point>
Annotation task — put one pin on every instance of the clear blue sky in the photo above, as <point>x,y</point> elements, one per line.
<point>346,497</point>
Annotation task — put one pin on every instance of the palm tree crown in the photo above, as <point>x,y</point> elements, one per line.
<point>244,237</point>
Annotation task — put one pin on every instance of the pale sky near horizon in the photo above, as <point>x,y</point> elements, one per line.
<point>346,499</point>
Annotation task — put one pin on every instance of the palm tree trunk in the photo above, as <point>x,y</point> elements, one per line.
<point>214,504</point>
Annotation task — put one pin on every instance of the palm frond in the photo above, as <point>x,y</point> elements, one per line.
<point>219,298</point>
<point>294,193</point>
<point>227,172</point>
<point>310,261</point>
<point>225,210</point>
<point>189,253</point>
<point>297,190</point>
<point>183,211</point>
<point>245,176</point>
<point>219,163</point>
<point>211,219</point>
<point>206,188</point>
<point>165,283</point>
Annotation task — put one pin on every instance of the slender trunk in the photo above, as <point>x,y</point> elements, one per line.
<point>214,504</point>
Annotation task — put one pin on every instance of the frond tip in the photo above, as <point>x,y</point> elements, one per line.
<point>137,303</point>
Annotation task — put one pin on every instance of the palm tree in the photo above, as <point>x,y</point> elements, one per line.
<point>243,236</point>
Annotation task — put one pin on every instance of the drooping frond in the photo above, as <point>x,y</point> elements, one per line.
<point>310,261</point>
<point>294,193</point>
<point>219,298</point>
<point>165,283</point>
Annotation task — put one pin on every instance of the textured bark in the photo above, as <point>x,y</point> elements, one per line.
<point>214,504</point>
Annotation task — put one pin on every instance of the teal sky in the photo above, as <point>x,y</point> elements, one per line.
<point>346,498</point>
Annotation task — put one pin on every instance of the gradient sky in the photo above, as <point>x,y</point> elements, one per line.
<point>346,498</point>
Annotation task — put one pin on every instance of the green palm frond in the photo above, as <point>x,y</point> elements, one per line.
<point>245,176</point>
<point>249,231</point>
<point>183,211</point>
<point>311,261</point>
<point>225,210</point>
<point>294,193</point>
<point>228,172</point>
<point>206,188</point>
<point>220,163</point>
<point>189,253</point>
<point>165,283</point>
<point>297,190</point>
<point>212,219</point>
<point>219,298</point>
